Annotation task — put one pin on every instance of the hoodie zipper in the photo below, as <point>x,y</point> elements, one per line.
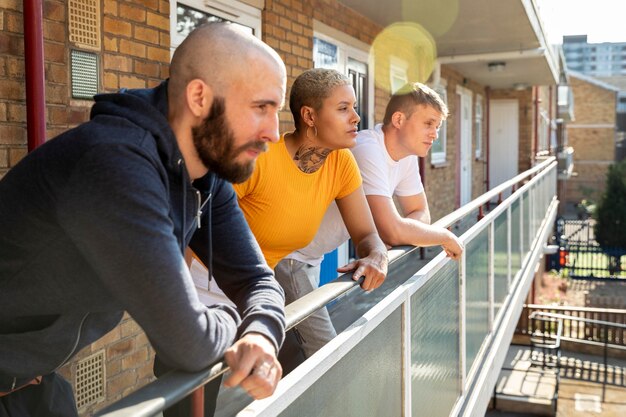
<point>69,355</point>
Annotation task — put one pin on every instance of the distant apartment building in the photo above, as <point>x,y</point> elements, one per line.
<point>607,62</point>
<point>595,59</point>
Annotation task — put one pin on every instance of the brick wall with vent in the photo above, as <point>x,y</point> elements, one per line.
<point>89,46</point>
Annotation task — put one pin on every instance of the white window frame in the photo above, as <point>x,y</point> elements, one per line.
<point>398,70</point>
<point>232,10</point>
<point>348,47</point>
<point>478,125</point>
<point>440,157</point>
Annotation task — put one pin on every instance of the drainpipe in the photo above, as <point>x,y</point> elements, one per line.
<point>35,88</point>
<point>533,153</point>
<point>487,99</point>
<point>550,120</point>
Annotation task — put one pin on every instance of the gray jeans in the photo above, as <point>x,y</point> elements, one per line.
<point>299,279</point>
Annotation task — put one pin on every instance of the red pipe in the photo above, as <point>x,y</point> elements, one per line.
<point>550,120</point>
<point>35,79</point>
<point>536,139</point>
<point>487,104</point>
<point>486,168</point>
<point>197,402</point>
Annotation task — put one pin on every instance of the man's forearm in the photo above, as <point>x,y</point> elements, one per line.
<point>413,232</point>
<point>422,216</point>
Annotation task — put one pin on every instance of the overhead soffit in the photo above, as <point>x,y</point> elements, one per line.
<point>479,26</point>
<point>474,27</point>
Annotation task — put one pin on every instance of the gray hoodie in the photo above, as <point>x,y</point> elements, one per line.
<point>95,222</point>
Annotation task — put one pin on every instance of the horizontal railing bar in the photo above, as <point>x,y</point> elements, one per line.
<point>593,343</point>
<point>458,214</point>
<point>168,388</point>
<point>582,319</point>
<point>577,309</point>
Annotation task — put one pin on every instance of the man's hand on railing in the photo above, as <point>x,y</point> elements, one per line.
<point>453,246</point>
<point>254,366</point>
<point>372,267</point>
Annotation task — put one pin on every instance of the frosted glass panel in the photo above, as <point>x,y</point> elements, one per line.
<point>527,228</point>
<point>501,261</point>
<point>366,382</point>
<point>476,295</point>
<point>516,228</point>
<point>435,344</point>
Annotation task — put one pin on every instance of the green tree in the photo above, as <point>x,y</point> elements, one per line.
<point>610,215</point>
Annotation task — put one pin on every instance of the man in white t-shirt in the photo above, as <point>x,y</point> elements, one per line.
<point>387,157</point>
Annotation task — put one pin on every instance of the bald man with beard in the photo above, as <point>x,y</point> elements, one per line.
<point>95,222</point>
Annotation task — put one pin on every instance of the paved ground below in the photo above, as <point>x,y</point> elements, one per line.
<point>582,389</point>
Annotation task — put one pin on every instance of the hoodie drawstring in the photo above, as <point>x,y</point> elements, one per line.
<point>181,239</point>
<point>199,212</point>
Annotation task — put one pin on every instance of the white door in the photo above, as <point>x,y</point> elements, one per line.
<point>465,156</point>
<point>503,141</point>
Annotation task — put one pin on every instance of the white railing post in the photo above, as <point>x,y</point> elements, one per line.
<point>491,284</point>
<point>509,230</point>
<point>406,355</point>
<point>462,320</point>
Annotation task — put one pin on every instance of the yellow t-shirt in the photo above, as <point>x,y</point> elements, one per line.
<point>285,206</point>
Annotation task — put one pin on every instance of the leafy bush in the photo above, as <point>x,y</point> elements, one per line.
<point>610,215</point>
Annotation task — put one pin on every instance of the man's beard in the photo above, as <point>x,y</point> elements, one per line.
<point>214,141</point>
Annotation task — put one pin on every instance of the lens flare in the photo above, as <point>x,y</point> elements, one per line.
<point>437,17</point>
<point>403,52</point>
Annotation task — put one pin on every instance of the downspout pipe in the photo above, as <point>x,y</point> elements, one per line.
<point>536,101</point>
<point>488,136</point>
<point>35,79</point>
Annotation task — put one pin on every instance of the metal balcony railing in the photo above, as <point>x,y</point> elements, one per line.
<point>433,345</point>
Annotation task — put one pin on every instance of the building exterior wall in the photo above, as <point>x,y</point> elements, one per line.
<point>135,52</point>
<point>596,59</point>
<point>526,123</point>
<point>135,41</point>
<point>592,136</point>
<point>441,180</point>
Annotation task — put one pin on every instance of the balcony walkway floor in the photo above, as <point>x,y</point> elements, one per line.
<point>581,386</point>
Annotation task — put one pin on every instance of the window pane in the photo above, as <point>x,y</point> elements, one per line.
<point>357,71</point>
<point>478,127</point>
<point>187,19</point>
<point>438,151</point>
<point>325,54</point>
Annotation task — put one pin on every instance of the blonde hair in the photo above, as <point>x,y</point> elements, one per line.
<point>312,87</point>
<point>411,95</point>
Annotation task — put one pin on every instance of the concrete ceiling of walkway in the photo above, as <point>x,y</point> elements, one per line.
<point>470,34</point>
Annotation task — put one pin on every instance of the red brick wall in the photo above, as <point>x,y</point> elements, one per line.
<point>135,53</point>
<point>128,362</point>
<point>441,180</point>
<point>136,43</point>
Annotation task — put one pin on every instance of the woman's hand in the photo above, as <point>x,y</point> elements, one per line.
<point>373,267</point>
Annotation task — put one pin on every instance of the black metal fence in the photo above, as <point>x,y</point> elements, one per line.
<point>580,255</point>
<point>581,323</point>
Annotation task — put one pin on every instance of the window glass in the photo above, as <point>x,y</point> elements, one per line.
<point>478,126</point>
<point>438,151</point>
<point>325,54</point>
<point>188,18</point>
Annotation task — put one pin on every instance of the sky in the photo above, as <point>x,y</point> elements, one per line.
<point>600,20</point>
